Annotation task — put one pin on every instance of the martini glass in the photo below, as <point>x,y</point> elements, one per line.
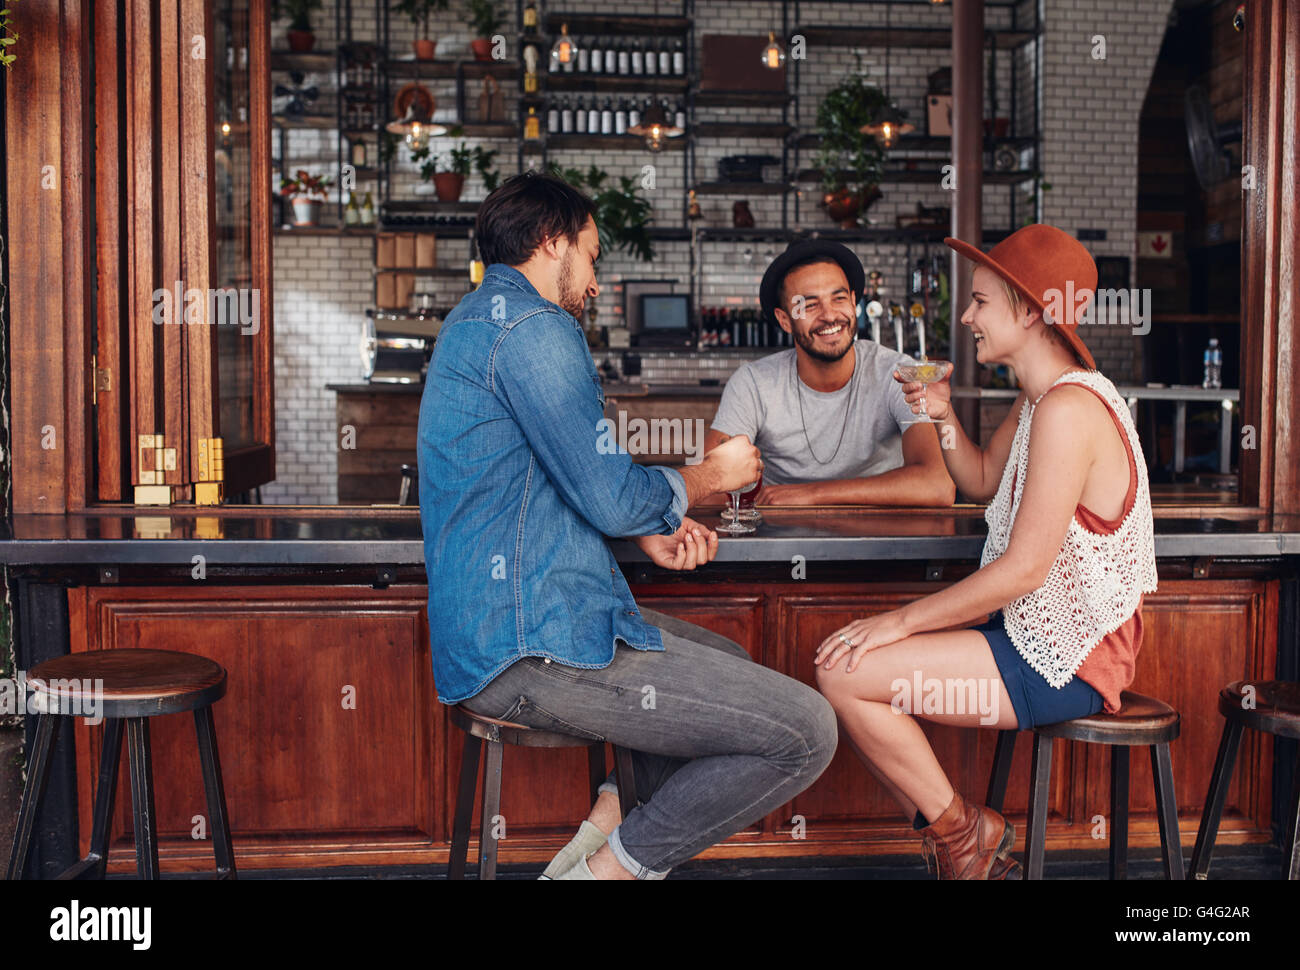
<point>922,371</point>
<point>746,504</point>
<point>734,526</point>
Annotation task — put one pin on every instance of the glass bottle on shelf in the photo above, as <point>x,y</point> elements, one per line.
<point>637,58</point>
<point>620,117</point>
<point>532,126</point>
<point>351,214</point>
<point>530,17</point>
<point>357,153</point>
<point>530,69</point>
<point>598,56</point>
<point>593,117</point>
<point>633,114</point>
<point>367,210</point>
<point>611,57</point>
<point>552,118</point>
<point>679,57</point>
<point>651,57</point>
<point>607,117</point>
<point>584,57</point>
<point>665,58</point>
<point>679,115</point>
<point>624,62</point>
<point>566,116</point>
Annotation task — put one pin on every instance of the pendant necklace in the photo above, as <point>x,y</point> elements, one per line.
<point>794,370</point>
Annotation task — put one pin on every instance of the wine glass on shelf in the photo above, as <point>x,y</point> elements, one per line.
<point>923,371</point>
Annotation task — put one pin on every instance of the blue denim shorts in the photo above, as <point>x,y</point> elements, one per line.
<point>1034,700</point>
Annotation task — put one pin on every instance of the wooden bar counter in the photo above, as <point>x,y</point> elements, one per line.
<point>336,751</point>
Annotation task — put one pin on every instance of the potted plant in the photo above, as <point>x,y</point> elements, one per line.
<point>623,216</point>
<point>306,193</point>
<point>485,20</point>
<point>483,165</point>
<point>300,34</point>
<point>419,11</point>
<point>851,162</point>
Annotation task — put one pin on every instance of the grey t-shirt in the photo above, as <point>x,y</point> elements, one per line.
<point>765,400</point>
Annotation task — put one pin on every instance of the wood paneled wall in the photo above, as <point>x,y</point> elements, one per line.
<point>335,750</point>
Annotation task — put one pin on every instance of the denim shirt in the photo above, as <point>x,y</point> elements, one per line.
<point>518,489</point>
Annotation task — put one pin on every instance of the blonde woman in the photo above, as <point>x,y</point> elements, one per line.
<point>1068,558</point>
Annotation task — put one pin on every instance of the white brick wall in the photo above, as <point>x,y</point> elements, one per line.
<point>1090,112</point>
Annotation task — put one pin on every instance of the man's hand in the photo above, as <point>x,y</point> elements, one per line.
<point>785,495</point>
<point>690,546</point>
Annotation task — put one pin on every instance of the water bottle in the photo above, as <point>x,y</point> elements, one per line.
<point>1213,365</point>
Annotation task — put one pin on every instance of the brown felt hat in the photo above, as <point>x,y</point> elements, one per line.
<point>1036,260</point>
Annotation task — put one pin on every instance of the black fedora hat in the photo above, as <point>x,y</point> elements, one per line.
<point>769,290</point>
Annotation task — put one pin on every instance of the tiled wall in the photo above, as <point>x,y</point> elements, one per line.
<point>1089,119</point>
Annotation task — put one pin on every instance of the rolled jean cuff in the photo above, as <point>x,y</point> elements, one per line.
<point>630,864</point>
<point>607,786</point>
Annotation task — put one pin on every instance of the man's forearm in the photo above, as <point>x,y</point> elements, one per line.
<point>701,480</point>
<point>908,485</point>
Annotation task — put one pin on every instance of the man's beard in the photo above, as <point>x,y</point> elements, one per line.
<point>808,342</point>
<point>569,299</point>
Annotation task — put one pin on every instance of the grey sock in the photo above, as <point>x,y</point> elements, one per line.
<point>588,840</point>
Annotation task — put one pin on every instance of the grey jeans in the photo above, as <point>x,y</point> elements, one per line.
<point>717,740</point>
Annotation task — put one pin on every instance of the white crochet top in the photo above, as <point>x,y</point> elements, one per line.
<point>1097,581</point>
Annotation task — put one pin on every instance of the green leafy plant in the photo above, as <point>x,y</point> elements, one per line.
<point>461,160</point>
<point>8,37</point>
<point>419,11</point>
<point>848,158</point>
<point>483,17</point>
<point>298,12</point>
<point>304,183</point>
<point>1031,197</point>
<point>623,216</point>
<point>483,164</point>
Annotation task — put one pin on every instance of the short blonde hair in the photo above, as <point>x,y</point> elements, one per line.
<point>1018,303</point>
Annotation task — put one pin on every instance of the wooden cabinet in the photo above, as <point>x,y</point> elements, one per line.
<point>335,750</point>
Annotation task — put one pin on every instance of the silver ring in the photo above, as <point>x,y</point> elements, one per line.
<point>846,639</point>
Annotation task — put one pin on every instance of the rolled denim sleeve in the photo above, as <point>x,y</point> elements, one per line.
<point>543,373</point>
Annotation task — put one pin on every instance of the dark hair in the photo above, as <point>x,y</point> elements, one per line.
<point>526,209</point>
<point>809,261</point>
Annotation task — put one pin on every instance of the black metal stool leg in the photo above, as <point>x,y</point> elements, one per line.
<point>110,756</point>
<point>1118,811</point>
<point>215,789</point>
<point>595,768</point>
<point>1171,842</point>
<point>47,729</point>
<point>626,776</point>
<point>1039,792</point>
<point>465,792</point>
<point>487,843</point>
<point>1224,761</point>
<point>1001,772</point>
<point>146,838</point>
<point>1293,823</point>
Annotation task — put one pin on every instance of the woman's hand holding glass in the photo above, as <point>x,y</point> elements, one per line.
<point>927,398</point>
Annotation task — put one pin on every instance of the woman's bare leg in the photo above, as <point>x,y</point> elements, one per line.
<point>890,739</point>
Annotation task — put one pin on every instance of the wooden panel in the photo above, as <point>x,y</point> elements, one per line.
<point>305,772</point>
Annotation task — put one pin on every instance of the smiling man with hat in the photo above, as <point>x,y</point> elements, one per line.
<point>831,423</point>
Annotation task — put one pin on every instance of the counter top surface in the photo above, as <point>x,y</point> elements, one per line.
<point>388,536</point>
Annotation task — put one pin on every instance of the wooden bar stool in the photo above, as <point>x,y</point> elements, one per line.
<point>479,730</point>
<point>137,685</point>
<point>1140,721</point>
<point>1275,708</point>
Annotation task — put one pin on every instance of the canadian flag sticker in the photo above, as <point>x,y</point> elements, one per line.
<point>1155,245</point>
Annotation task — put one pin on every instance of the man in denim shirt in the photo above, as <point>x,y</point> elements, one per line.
<point>530,619</point>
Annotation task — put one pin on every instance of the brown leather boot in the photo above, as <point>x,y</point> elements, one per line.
<point>967,840</point>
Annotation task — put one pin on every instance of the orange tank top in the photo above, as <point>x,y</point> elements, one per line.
<point>1110,665</point>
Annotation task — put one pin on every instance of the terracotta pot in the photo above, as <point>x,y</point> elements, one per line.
<point>425,49</point>
<point>482,48</point>
<point>448,185</point>
<point>845,206</point>
<point>301,40</point>
<point>306,210</point>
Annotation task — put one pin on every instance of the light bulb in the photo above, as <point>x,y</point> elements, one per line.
<point>418,136</point>
<point>773,55</point>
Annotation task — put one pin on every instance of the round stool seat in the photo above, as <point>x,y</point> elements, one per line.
<point>507,732</point>
<point>135,683</point>
<point>1141,720</point>
<point>1275,706</point>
